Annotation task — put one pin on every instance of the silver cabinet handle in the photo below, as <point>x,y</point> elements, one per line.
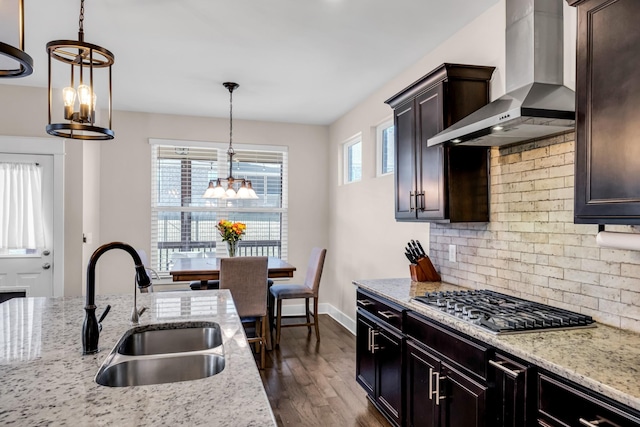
<point>421,195</point>
<point>437,391</point>
<point>374,346</point>
<point>365,302</point>
<point>46,266</point>
<point>510,372</point>
<point>369,340</point>
<point>430,384</point>
<point>411,204</point>
<point>596,423</point>
<point>387,314</point>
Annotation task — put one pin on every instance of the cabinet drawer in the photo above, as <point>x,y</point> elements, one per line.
<point>458,349</point>
<point>562,404</point>
<point>381,308</point>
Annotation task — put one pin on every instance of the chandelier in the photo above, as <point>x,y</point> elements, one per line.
<point>218,191</point>
<point>18,63</point>
<point>80,116</point>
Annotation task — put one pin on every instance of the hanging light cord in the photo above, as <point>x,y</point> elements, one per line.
<point>231,151</point>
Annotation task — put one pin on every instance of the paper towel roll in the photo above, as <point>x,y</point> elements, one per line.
<point>610,239</point>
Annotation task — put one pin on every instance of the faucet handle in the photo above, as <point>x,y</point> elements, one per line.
<point>103,315</point>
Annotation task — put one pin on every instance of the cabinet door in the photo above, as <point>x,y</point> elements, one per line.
<point>388,352</point>
<point>514,389</point>
<point>404,120</point>
<point>420,370</point>
<point>607,189</point>
<point>431,184</point>
<point>365,362</point>
<point>463,402</point>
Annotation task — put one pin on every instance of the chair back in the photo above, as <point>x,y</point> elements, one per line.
<point>246,278</point>
<point>314,269</point>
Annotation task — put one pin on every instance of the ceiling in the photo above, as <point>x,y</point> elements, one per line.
<point>297,61</point>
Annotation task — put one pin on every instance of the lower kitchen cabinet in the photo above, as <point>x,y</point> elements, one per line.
<point>515,387</point>
<point>379,356</point>
<point>440,391</point>
<point>561,404</point>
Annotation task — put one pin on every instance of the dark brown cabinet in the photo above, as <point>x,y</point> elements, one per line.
<point>607,189</point>
<point>561,404</point>
<point>514,391</point>
<point>379,354</point>
<point>444,377</point>
<point>440,183</point>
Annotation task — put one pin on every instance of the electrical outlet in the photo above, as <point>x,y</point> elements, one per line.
<point>452,253</point>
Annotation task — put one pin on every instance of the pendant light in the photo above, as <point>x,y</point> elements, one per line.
<point>218,191</point>
<point>14,61</point>
<point>79,102</point>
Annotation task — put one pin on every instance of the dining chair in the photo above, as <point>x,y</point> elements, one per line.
<point>246,278</point>
<point>309,289</point>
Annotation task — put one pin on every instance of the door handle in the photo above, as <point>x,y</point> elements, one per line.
<point>46,252</point>
<point>510,372</point>
<point>411,204</point>
<point>436,392</point>
<point>46,266</point>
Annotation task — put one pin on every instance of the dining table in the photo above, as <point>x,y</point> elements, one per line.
<point>208,268</point>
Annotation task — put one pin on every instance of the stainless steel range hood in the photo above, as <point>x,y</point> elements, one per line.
<point>536,103</point>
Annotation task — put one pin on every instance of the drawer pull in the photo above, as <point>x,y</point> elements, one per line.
<point>374,347</point>
<point>599,422</point>
<point>365,302</point>
<point>437,391</point>
<point>510,372</point>
<point>387,314</point>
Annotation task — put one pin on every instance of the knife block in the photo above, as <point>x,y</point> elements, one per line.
<point>424,271</point>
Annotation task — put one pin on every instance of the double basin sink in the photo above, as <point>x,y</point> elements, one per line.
<point>164,353</point>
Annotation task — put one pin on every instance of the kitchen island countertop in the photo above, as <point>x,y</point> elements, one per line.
<point>604,359</point>
<point>47,381</point>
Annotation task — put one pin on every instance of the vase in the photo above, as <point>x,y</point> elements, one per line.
<point>232,248</point>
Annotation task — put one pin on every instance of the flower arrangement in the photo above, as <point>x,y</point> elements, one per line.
<point>231,231</point>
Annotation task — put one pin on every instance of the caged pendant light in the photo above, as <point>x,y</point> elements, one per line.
<point>79,102</point>
<point>14,61</point>
<point>218,191</point>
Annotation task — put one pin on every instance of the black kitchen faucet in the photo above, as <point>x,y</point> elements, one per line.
<point>92,326</point>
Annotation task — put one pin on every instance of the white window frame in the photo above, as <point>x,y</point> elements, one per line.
<point>379,132</point>
<point>356,139</point>
<point>223,171</point>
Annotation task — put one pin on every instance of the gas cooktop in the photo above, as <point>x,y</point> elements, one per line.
<point>503,314</point>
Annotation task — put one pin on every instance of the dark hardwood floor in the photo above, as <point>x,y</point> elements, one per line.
<point>313,384</point>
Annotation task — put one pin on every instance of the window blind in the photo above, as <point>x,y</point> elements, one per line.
<point>183,223</point>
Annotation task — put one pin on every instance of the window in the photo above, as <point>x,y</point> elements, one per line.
<point>184,223</point>
<point>385,134</point>
<point>353,159</point>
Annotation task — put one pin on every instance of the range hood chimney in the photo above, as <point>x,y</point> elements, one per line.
<point>536,103</point>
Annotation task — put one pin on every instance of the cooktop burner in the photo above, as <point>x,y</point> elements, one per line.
<point>503,314</point>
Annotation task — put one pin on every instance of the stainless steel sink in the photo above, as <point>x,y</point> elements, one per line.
<point>163,341</point>
<point>160,370</point>
<point>164,353</point>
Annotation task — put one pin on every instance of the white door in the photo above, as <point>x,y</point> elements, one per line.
<point>24,269</point>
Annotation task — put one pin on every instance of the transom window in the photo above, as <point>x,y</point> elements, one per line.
<point>184,223</point>
<point>385,134</point>
<point>352,157</point>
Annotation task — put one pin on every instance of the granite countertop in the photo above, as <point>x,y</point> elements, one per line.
<point>47,381</point>
<point>603,359</point>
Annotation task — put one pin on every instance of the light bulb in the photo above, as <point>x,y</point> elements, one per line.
<point>85,97</point>
<point>243,192</point>
<point>69,99</point>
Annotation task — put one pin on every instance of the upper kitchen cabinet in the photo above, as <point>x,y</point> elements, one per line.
<point>607,188</point>
<point>440,183</point>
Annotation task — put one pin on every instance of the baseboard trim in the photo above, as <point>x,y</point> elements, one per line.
<point>323,308</point>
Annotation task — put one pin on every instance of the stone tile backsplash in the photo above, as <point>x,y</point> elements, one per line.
<point>531,247</point>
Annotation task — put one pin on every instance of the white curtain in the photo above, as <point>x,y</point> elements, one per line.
<point>21,222</point>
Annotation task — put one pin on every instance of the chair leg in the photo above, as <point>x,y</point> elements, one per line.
<point>315,318</point>
<point>263,342</point>
<point>306,312</point>
<point>278,321</point>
